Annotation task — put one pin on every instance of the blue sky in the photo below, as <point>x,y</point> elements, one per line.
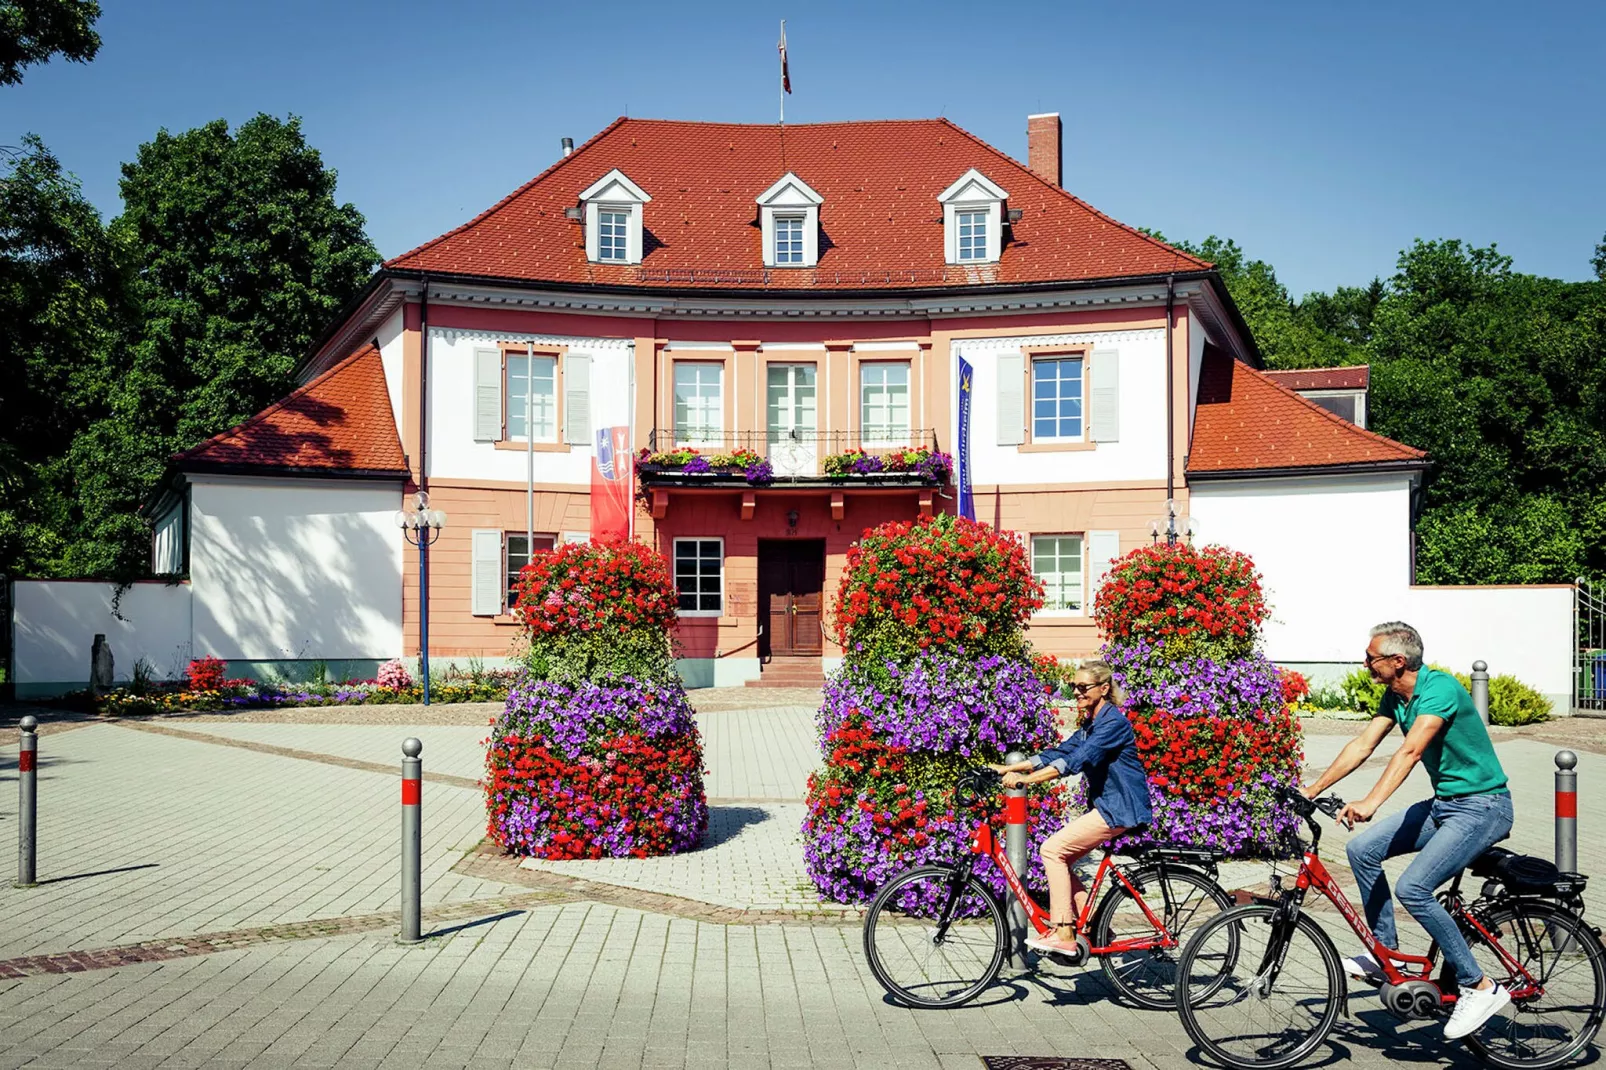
<point>1324,138</point>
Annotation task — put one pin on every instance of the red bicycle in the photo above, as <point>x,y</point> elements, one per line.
<point>938,935</point>
<point>1261,985</point>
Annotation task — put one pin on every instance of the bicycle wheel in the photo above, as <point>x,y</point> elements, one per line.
<point>1255,990</point>
<point>935,937</point>
<point>1182,899</point>
<point>1561,954</point>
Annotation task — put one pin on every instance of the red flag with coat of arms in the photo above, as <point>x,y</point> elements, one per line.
<point>612,484</point>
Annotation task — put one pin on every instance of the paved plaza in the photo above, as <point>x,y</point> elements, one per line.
<point>223,891</point>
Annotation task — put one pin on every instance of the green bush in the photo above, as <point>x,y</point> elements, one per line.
<point>1327,697</point>
<point>1512,702</point>
<point>1361,692</point>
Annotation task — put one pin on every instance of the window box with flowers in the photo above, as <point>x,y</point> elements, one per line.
<point>919,463</point>
<point>687,462</point>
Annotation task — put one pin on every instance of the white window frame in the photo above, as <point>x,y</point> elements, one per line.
<point>614,192</point>
<point>714,436</point>
<point>966,249</point>
<point>788,232</point>
<point>790,198</point>
<point>973,192</point>
<point>1082,551</point>
<point>507,562</point>
<point>892,441</point>
<point>1031,398</point>
<point>510,395</point>
<point>613,233</point>
<point>674,565</point>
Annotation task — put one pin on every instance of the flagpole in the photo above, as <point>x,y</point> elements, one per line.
<point>529,450</point>
<point>783,72</point>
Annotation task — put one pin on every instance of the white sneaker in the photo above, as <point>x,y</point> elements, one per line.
<point>1474,1007</point>
<point>1362,965</point>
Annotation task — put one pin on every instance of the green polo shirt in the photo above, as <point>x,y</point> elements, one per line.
<point>1461,759</point>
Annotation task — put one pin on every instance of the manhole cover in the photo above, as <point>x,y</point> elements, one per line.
<point>1049,1062</point>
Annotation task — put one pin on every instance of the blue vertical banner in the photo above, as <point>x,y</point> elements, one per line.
<point>967,505</point>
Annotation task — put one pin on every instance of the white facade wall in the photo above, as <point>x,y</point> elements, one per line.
<point>452,452</point>
<point>55,623</point>
<point>1335,558</point>
<point>391,338</point>
<point>1140,453</point>
<point>167,542</point>
<point>295,569</point>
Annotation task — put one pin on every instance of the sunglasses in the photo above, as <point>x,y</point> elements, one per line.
<point>1082,689</point>
<point>1369,658</point>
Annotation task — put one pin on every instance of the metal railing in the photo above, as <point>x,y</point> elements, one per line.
<point>793,453</point>
<point>1589,651</point>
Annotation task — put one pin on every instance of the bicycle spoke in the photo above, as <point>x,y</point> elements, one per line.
<point>1147,975</point>
<point>929,947</point>
<point>1562,956</point>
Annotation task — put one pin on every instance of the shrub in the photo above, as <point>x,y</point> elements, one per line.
<point>394,674</point>
<point>942,582</point>
<point>597,769</point>
<point>1202,602</point>
<point>1512,702</point>
<point>1361,692</point>
<point>206,674</point>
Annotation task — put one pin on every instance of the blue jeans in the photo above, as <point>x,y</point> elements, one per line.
<point>1445,835</point>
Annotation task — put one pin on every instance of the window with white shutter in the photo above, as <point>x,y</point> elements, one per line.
<point>1103,549</point>
<point>1011,399</point>
<point>1104,396</point>
<point>487,579</point>
<point>577,399</point>
<point>487,395</point>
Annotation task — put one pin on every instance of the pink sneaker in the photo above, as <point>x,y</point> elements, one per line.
<point>1053,944</point>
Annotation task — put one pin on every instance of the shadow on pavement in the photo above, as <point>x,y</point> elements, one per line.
<point>725,823</point>
<point>473,924</point>
<point>101,873</point>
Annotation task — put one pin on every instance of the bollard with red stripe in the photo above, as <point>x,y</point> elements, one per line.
<point>27,800</point>
<point>1015,851</point>
<point>1566,811</point>
<point>412,839</point>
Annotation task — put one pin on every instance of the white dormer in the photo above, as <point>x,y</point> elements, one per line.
<point>789,216</point>
<point>972,219</point>
<point>613,219</point>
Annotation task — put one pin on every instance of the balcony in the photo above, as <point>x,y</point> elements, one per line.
<point>810,461</point>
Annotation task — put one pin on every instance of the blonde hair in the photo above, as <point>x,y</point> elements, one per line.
<point>1102,674</point>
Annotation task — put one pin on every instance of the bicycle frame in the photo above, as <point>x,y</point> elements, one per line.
<point>984,842</point>
<point>1313,874</point>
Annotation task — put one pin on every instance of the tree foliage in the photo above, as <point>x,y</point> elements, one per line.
<point>184,316</point>
<point>32,31</point>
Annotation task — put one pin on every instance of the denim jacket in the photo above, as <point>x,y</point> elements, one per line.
<point>1106,754</point>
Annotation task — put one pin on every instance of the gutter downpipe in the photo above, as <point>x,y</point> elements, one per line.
<point>1170,408</point>
<point>423,480</point>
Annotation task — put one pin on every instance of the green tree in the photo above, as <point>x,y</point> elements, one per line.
<point>243,257</point>
<point>1598,262</point>
<point>62,307</point>
<point>32,31</point>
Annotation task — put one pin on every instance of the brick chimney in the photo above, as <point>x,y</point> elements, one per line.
<point>1044,140</point>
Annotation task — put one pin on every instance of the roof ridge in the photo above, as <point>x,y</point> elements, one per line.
<point>550,169</point>
<point>278,406</point>
<point>1344,424</point>
<point>1063,192</point>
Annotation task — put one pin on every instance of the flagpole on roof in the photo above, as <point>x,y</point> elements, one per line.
<point>786,80</point>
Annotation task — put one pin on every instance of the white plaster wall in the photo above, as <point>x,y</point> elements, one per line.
<point>167,542</point>
<point>452,452</point>
<point>390,337</point>
<point>55,623</point>
<point>1139,455</point>
<point>1196,344</point>
<point>1335,558</point>
<point>295,568</point>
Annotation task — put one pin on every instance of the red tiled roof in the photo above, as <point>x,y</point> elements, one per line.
<point>340,421</point>
<point>1246,421</point>
<point>1351,377</point>
<point>881,226</point>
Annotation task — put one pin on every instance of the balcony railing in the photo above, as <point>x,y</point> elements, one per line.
<point>800,456</point>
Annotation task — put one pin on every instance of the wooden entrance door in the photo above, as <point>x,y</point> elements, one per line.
<point>791,589</point>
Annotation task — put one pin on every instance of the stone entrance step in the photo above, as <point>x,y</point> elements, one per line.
<point>790,672</point>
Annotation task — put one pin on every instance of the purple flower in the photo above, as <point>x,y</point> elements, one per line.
<point>697,465</point>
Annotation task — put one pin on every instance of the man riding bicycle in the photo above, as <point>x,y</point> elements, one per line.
<point>1470,811</point>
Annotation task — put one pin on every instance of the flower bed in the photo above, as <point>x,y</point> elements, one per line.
<point>936,679</point>
<point>596,753</point>
<point>609,768</point>
<point>251,695</point>
<point>1213,716</point>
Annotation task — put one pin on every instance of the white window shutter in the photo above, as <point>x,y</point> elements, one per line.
<point>488,581</point>
<point>1011,399</point>
<point>487,395</point>
<point>577,399</point>
<point>1104,408</point>
<point>1103,547</point>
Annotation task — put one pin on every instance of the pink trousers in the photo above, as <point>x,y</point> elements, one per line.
<point>1059,851</point>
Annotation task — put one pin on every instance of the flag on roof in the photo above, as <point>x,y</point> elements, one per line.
<point>786,78</point>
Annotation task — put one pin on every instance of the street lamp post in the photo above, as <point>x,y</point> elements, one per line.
<point>421,526</point>
<point>1168,525</point>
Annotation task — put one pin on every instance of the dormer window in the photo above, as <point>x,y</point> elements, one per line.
<point>789,218</point>
<point>972,235</point>
<point>613,207</point>
<point>973,217</point>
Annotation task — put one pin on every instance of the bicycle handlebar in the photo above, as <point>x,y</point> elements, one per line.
<point>1307,808</point>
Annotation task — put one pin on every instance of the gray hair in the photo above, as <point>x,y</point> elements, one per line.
<point>1400,638</point>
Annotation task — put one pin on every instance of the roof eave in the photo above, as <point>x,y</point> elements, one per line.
<point>287,471</point>
<point>1403,465</point>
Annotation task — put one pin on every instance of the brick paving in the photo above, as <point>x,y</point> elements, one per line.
<point>224,894</point>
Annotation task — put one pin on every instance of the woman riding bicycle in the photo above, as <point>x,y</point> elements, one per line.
<point>1104,750</point>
